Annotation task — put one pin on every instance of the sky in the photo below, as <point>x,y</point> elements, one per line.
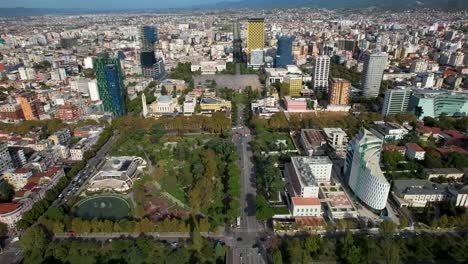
<point>104,4</point>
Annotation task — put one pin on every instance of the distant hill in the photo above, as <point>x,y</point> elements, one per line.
<point>388,4</point>
<point>264,4</point>
<point>20,11</point>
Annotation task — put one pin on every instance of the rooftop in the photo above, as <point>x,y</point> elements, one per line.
<point>305,201</point>
<point>8,207</point>
<point>417,187</point>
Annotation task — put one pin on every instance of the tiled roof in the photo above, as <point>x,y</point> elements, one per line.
<point>8,207</point>
<point>305,201</point>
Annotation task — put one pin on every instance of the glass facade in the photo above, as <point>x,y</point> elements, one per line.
<point>284,54</point>
<point>111,88</point>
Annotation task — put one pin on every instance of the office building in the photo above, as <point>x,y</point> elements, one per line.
<point>6,162</point>
<point>362,170</point>
<point>396,101</point>
<point>150,66</point>
<point>321,72</point>
<point>237,44</point>
<point>433,103</point>
<point>374,66</point>
<point>293,85</point>
<point>284,54</point>
<point>339,91</point>
<point>109,77</point>
<point>255,35</point>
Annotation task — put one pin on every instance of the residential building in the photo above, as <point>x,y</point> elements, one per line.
<point>460,195</point>
<point>255,36</point>
<point>321,73</point>
<point>17,178</point>
<point>339,91</point>
<point>414,151</point>
<point>30,105</point>
<point>284,55</point>
<point>443,173</point>
<point>93,91</point>
<point>362,170</point>
<point>17,155</point>
<point>337,140</point>
<point>313,142</point>
<point>68,111</point>
<point>6,162</point>
<point>61,136</point>
<point>11,112</point>
<point>417,193</point>
<point>374,66</point>
<point>418,66</point>
<point>109,77</point>
<point>396,101</point>
<point>293,84</point>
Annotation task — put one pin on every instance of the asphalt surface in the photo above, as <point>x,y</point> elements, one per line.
<point>244,248</point>
<point>80,180</point>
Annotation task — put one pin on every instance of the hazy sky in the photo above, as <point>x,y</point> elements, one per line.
<point>104,4</point>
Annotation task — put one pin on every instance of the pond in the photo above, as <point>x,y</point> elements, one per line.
<point>110,207</point>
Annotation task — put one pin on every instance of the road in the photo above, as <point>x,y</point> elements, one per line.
<point>246,235</point>
<point>81,178</point>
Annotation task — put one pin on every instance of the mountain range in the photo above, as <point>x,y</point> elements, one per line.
<point>263,4</point>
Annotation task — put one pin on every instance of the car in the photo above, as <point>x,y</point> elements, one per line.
<point>239,239</point>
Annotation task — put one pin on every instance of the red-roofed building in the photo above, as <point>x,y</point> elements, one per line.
<point>306,207</point>
<point>414,151</point>
<point>396,148</point>
<point>10,213</point>
<point>444,151</point>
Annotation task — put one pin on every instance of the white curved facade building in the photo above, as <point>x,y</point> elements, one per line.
<point>117,174</point>
<point>362,168</point>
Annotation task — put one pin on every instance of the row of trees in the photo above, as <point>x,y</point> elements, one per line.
<point>48,126</point>
<point>446,122</point>
<point>217,123</point>
<point>38,247</point>
<point>357,249</point>
<point>41,206</point>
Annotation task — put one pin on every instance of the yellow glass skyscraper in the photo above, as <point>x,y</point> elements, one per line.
<point>255,35</point>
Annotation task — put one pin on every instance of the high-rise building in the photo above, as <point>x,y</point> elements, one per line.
<point>237,44</point>
<point>362,170</point>
<point>339,91</point>
<point>284,54</point>
<point>321,72</point>
<point>374,66</point>
<point>110,77</point>
<point>150,65</point>
<point>396,101</point>
<point>337,140</point>
<point>255,35</point>
<point>5,158</point>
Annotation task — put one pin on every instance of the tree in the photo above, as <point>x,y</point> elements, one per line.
<point>350,252</point>
<point>163,90</point>
<point>6,192</point>
<point>34,243</point>
<point>263,209</point>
